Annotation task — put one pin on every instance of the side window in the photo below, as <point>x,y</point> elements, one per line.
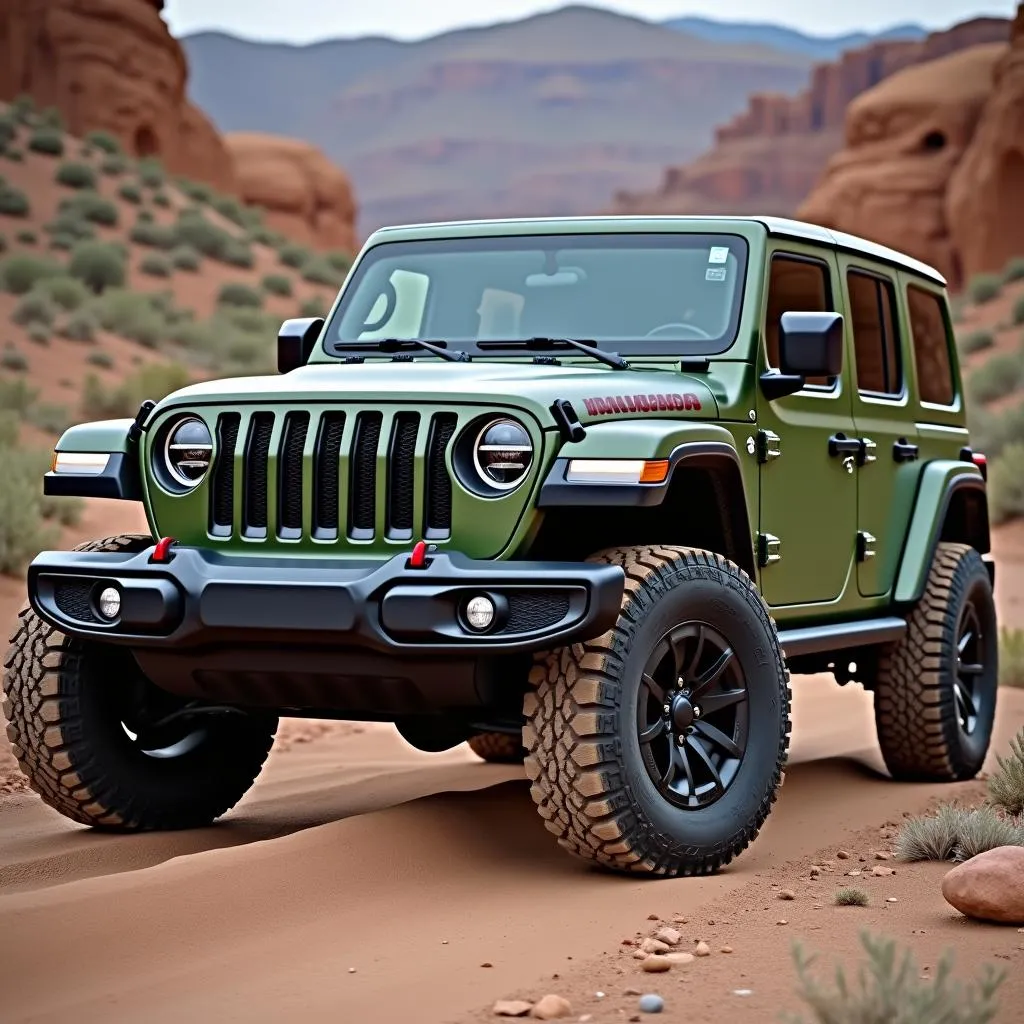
<point>796,285</point>
<point>875,342</point>
<point>930,334</point>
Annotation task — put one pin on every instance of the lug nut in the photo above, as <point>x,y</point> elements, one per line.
<point>696,712</point>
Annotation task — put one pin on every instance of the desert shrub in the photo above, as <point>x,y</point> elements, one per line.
<point>155,265</point>
<point>35,307</point>
<point>3,243</point>
<point>13,154</point>
<point>151,173</point>
<point>161,199</point>
<point>16,396</point>
<point>48,141</point>
<point>39,334</point>
<point>991,431</point>
<point>75,175</point>
<point>26,238</point>
<point>1006,785</point>
<point>113,166</point>
<point>340,260</point>
<point>66,292</point>
<point>105,141</point>
<point>82,325</point>
<point>984,287</point>
<point>931,837</point>
<point>155,381</point>
<point>50,117</point>
<point>13,360</point>
<point>1014,270</point>
<point>239,295</point>
<point>69,225</point>
<point>130,192</point>
<point>976,341</point>
<point>195,230</point>
<point>1001,375</point>
<point>132,315</point>
<point>24,530</point>
<point>157,236</point>
<point>230,208</point>
<point>23,107</point>
<point>316,306</point>
<point>262,235</point>
<point>104,360</point>
<point>1017,314</point>
<point>890,990</point>
<point>20,273</point>
<point>294,256</point>
<point>984,829</point>
<point>1006,484</point>
<point>277,284</point>
<point>8,129</point>
<point>145,217</point>
<point>237,254</point>
<point>62,242</point>
<point>13,202</point>
<point>195,190</point>
<point>51,418</point>
<point>1011,657</point>
<point>184,257</point>
<point>318,271</point>
<point>90,206</point>
<point>850,898</point>
<point>99,265</point>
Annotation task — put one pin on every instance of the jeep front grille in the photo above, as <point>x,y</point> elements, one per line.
<point>332,474</point>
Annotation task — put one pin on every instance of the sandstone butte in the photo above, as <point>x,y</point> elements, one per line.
<point>113,65</point>
<point>769,157</point>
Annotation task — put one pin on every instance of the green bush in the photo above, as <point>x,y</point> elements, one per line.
<point>39,334</point>
<point>155,381</point>
<point>340,260</point>
<point>261,235</point>
<point>66,292</point>
<point>20,273</point>
<point>277,284</point>
<point>106,141</point>
<point>976,341</point>
<point>195,190</point>
<point>76,175</point>
<point>16,396</point>
<point>1011,657</point>
<point>155,265</point>
<point>23,107</point>
<point>53,419</point>
<point>24,530</point>
<point>82,325</point>
<point>237,254</point>
<point>62,242</point>
<point>90,206</point>
<point>145,217</point>
<point>3,243</point>
<point>1006,484</point>
<point>1006,785</point>
<point>318,271</point>
<point>70,225</point>
<point>230,208</point>
<point>34,308</point>
<point>184,257</point>
<point>1017,314</point>
<point>151,173</point>
<point>26,238</point>
<point>161,199</point>
<point>114,166</point>
<point>99,265</point>
<point>196,231</point>
<point>891,990</point>
<point>13,202</point>
<point>1014,270</point>
<point>239,295</point>
<point>104,360</point>
<point>14,360</point>
<point>984,288</point>
<point>8,129</point>
<point>48,141</point>
<point>14,155</point>
<point>50,117</point>
<point>157,236</point>
<point>130,193</point>
<point>991,431</point>
<point>316,306</point>
<point>132,315</point>
<point>1001,375</point>
<point>294,256</point>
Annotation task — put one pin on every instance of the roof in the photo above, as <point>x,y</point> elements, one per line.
<point>780,227</point>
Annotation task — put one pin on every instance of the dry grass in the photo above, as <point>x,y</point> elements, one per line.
<point>850,898</point>
<point>1011,657</point>
<point>1006,786</point>
<point>957,833</point>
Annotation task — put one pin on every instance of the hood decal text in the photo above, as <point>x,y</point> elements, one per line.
<point>641,403</point>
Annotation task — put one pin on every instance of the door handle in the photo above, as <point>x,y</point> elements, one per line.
<point>840,444</point>
<point>903,451</point>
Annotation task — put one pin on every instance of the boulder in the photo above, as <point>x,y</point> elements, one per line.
<point>305,196</point>
<point>989,887</point>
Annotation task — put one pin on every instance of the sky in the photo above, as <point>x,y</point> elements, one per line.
<point>303,21</point>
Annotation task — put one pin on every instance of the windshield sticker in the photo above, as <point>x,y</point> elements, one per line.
<point>640,403</point>
<point>714,274</point>
<point>718,254</point>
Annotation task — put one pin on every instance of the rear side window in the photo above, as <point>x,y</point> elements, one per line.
<point>930,334</point>
<point>875,341</point>
<point>796,285</point>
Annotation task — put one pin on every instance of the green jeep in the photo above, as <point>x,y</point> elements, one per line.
<point>575,491</point>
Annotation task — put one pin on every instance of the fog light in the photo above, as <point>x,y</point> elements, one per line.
<point>480,613</point>
<point>110,602</point>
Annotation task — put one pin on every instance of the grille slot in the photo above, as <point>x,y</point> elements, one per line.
<point>289,488</point>
<point>363,485</point>
<point>326,476</point>
<point>535,609</point>
<point>437,517</point>
<point>74,599</point>
<point>402,475</point>
<point>222,490</point>
<point>257,454</point>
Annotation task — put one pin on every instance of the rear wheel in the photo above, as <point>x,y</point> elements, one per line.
<point>935,691</point>
<point>658,747</point>
<point>104,746</point>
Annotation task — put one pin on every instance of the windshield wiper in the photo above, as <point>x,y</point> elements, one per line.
<point>590,348</point>
<point>397,344</point>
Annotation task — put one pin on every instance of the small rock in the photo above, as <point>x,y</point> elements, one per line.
<point>552,1007</point>
<point>862,858</point>
<point>656,965</point>
<point>787,894</point>
<point>742,992</point>
<point>639,954</point>
<point>632,992</point>
<point>891,899</point>
<point>599,995</point>
<point>782,920</point>
<point>882,872</point>
<point>679,958</point>
<point>843,854</point>
<point>627,941</point>
<point>651,1003</point>
<point>854,873</point>
<point>702,949</point>
<point>586,1017</point>
<point>989,887</point>
<point>726,949</point>
<point>653,917</point>
<point>634,1018</point>
<point>444,942</point>
<point>512,1008</point>
<point>881,855</point>
<point>668,935</point>
<point>487,963</point>
<point>351,970</point>
<point>654,946</point>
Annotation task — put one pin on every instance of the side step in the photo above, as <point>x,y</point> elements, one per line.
<point>840,636</point>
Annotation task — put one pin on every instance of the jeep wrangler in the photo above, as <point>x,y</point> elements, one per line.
<point>575,491</point>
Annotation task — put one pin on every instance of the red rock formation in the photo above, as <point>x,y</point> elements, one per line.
<point>769,157</point>
<point>305,196</point>
<point>904,139</point>
<point>985,201</point>
<point>111,64</point>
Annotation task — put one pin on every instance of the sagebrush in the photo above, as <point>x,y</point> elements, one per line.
<point>1006,785</point>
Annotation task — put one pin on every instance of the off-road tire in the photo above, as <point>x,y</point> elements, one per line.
<point>915,703</point>
<point>498,747</point>
<point>77,761</point>
<point>580,722</point>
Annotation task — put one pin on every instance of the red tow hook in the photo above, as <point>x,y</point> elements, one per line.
<point>162,553</point>
<point>418,559</point>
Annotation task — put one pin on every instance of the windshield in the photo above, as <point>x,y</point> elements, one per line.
<point>643,293</point>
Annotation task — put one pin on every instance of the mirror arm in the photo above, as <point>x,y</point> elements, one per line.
<point>778,385</point>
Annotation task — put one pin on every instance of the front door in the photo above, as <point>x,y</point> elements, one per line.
<point>808,512</point>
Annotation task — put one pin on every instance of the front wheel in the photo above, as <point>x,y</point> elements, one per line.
<point>658,747</point>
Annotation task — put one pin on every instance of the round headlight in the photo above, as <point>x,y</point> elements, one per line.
<point>503,453</point>
<point>188,451</point>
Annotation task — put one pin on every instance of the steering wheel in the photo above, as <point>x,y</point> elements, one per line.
<point>696,332</point>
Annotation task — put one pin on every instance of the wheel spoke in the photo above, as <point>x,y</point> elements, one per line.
<point>970,669</point>
<point>714,673</point>
<point>719,738</point>
<point>690,672</point>
<point>697,747</point>
<point>679,754</point>
<point>964,641</point>
<point>652,732</point>
<point>964,698</point>
<point>656,690</point>
<point>713,702</point>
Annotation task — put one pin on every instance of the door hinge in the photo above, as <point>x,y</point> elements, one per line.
<point>769,549</point>
<point>865,546</point>
<point>769,445</point>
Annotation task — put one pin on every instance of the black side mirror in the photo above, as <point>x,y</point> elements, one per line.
<point>295,341</point>
<point>810,345</point>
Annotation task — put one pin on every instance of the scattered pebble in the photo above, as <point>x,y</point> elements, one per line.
<point>782,920</point>
<point>679,958</point>
<point>599,995</point>
<point>656,964</point>
<point>586,1017</point>
<point>627,941</point>
<point>668,935</point>
<point>843,854</point>
<point>639,954</point>
<point>487,963</point>
<point>702,949</point>
<point>787,894</point>
<point>351,970</point>
<point>742,991</point>
<point>881,855</point>
<point>635,1018</point>
<point>552,1007</point>
<point>444,942</point>
<point>890,899</point>
<point>512,1008</point>
<point>854,873</point>
<point>726,949</point>
<point>651,1003</point>
<point>632,992</point>
<point>654,946</point>
<point>882,872</point>
<point>653,917</point>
